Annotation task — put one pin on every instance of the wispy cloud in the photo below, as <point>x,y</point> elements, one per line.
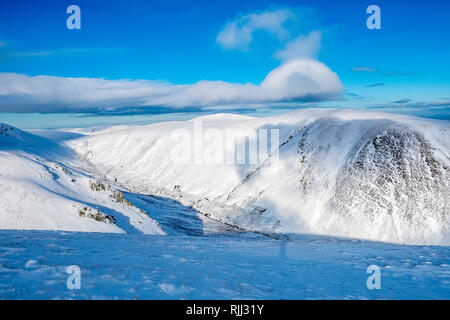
<point>363,69</point>
<point>238,33</point>
<point>438,104</point>
<point>383,72</point>
<point>302,46</point>
<point>354,96</point>
<point>402,101</point>
<point>376,84</point>
<point>57,52</point>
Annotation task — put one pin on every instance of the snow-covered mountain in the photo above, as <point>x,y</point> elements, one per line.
<point>336,172</point>
<point>339,172</point>
<point>43,186</point>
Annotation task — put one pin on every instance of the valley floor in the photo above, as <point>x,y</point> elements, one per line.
<point>216,263</point>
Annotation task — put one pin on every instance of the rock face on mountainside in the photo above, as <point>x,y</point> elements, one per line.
<point>392,179</point>
<point>6,130</point>
<point>340,172</point>
<point>394,175</point>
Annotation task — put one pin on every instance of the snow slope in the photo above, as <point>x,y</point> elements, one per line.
<point>340,172</point>
<point>33,265</point>
<point>43,186</point>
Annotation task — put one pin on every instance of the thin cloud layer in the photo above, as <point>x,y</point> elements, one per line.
<point>295,80</point>
<point>377,84</point>
<point>59,52</point>
<point>406,103</point>
<point>238,34</point>
<point>402,101</point>
<point>301,47</point>
<point>383,72</point>
<point>363,69</point>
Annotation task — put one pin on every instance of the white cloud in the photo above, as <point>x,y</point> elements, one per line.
<point>238,34</point>
<point>300,77</point>
<point>294,80</point>
<point>301,47</point>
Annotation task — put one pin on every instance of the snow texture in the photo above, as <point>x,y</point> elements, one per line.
<point>43,187</point>
<point>342,173</point>
<point>33,265</point>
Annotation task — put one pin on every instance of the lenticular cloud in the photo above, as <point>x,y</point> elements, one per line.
<point>295,80</point>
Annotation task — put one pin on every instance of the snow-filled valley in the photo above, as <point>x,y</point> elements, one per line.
<point>338,191</point>
<point>343,173</point>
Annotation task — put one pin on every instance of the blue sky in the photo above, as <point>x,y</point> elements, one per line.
<point>405,64</point>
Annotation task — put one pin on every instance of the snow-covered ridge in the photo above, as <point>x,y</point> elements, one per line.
<point>8,131</point>
<point>341,172</point>
<point>43,187</point>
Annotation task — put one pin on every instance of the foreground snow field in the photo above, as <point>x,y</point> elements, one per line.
<point>200,258</point>
<point>116,266</point>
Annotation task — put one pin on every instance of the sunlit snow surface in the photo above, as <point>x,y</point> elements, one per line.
<point>115,266</point>
<point>202,259</point>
